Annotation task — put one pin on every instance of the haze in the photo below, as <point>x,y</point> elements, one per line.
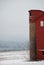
<point>14,18</point>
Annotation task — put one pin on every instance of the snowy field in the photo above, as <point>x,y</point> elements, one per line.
<point>17,58</point>
<point>12,62</point>
<point>15,55</point>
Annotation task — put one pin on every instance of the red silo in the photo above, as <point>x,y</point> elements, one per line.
<point>36,20</point>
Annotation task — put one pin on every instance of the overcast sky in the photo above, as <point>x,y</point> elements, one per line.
<point>14,18</point>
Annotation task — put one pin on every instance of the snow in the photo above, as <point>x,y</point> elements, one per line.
<point>17,58</point>
<point>15,55</point>
<point>16,62</point>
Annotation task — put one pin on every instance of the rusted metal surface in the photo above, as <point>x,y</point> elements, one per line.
<point>32,41</point>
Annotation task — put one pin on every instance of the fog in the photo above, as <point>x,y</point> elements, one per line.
<point>14,18</point>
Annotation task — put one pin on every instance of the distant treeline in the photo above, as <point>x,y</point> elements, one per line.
<point>13,46</point>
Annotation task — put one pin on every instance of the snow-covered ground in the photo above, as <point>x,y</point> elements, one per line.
<point>17,58</point>
<point>15,55</point>
<point>12,62</point>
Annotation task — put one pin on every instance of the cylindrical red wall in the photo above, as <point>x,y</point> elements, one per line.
<point>34,15</point>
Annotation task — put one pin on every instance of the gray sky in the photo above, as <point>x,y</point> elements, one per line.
<point>14,18</point>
